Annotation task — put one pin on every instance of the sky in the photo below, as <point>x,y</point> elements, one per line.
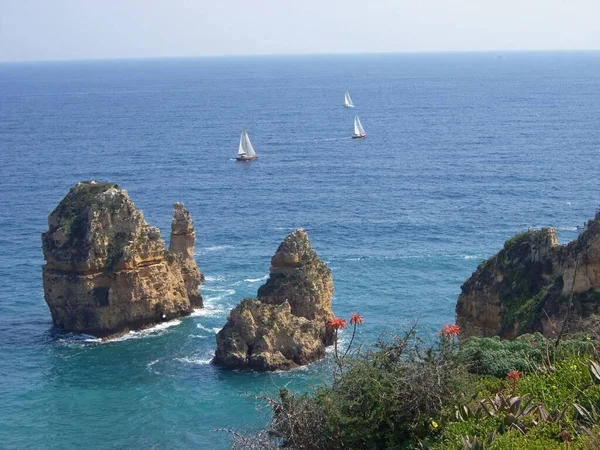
<point>32,30</point>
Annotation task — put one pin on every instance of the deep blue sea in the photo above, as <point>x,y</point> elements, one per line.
<point>463,151</point>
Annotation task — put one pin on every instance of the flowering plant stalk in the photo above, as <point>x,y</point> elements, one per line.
<point>337,323</point>
<point>447,341</point>
<point>514,375</point>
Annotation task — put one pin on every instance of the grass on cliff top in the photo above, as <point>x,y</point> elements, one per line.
<point>80,197</point>
<point>72,207</point>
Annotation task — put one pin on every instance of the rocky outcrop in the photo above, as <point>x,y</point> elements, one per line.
<point>106,269</point>
<point>535,284</point>
<point>182,242</point>
<point>285,327</point>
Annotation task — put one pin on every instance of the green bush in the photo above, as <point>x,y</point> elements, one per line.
<point>527,353</point>
<point>385,399</point>
<point>403,395</point>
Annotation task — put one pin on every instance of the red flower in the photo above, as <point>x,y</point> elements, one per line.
<point>450,330</point>
<point>336,323</point>
<point>514,375</point>
<point>355,319</point>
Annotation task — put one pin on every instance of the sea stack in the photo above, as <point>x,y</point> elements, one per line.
<point>182,242</point>
<point>535,284</point>
<point>107,270</point>
<point>285,327</point>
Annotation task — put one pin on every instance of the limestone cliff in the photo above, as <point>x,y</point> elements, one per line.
<point>285,326</point>
<point>535,284</point>
<point>106,269</point>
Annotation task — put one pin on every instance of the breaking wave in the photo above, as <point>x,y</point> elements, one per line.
<point>256,280</point>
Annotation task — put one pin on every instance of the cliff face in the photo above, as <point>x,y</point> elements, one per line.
<point>106,269</point>
<point>285,326</point>
<point>535,284</point>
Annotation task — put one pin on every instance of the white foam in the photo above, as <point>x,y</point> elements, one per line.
<point>210,310</point>
<point>219,289</point>
<point>208,300</point>
<point>194,360</point>
<point>151,369</point>
<point>294,369</point>
<point>74,340</point>
<point>215,248</point>
<point>210,278</point>
<point>209,330</point>
<point>152,331</point>
<point>84,338</point>
<point>256,280</point>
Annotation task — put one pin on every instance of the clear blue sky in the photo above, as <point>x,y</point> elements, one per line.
<point>90,29</point>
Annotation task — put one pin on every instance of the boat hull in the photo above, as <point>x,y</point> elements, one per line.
<point>359,136</point>
<point>348,106</point>
<point>246,158</point>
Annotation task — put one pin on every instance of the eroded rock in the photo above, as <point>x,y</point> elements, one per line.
<point>106,269</point>
<point>535,284</point>
<point>285,327</point>
<point>182,242</point>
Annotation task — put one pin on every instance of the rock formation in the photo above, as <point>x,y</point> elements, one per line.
<point>183,240</point>
<point>107,270</point>
<point>285,326</point>
<point>535,284</point>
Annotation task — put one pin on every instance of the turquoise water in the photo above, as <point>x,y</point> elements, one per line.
<point>463,151</point>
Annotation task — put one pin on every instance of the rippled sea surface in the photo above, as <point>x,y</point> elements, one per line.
<point>463,151</point>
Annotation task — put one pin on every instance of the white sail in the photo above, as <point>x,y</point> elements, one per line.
<point>245,147</point>
<point>347,100</point>
<point>241,150</point>
<point>358,128</point>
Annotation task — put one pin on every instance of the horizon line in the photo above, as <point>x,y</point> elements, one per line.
<point>291,55</point>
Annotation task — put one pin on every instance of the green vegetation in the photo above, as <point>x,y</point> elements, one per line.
<point>279,282</point>
<point>115,250</point>
<point>79,199</point>
<point>71,210</point>
<point>484,394</point>
<point>526,287</point>
<point>527,353</point>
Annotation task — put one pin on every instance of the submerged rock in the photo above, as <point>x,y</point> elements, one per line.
<point>285,327</point>
<point>107,270</point>
<point>535,284</point>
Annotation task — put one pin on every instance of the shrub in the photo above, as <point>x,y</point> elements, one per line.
<point>386,397</point>
<point>496,357</point>
<point>403,394</point>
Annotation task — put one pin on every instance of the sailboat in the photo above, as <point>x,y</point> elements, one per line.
<point>347,100</point>
<point>245,150</point>
<point>359,131</point>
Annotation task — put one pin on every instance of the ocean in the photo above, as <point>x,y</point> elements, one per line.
<point>462,151</point>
